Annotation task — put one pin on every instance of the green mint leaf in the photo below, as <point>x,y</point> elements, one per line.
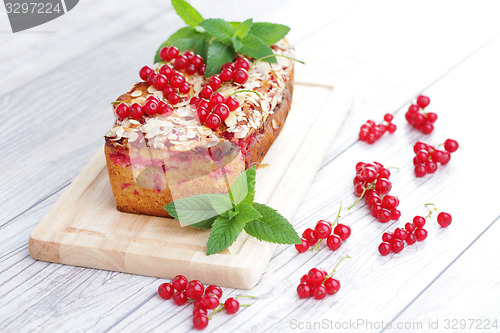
<point>233,213</point>
<point>205,224</point>
<point>221,203</point>
<point>187,12</point>
<point>254,47</point>
<point>270,33</point>
<point>201,45</point>
<point>243,187</point>
<point>237,44</point>
<point>224,232</point>
<point>247,213</point>
<point>220,29</point>
<point>272,227</point>
<point>183,39</point>
<point>192,209</point>
<point>234,24</point>
<point>218,54</point>
<point>242,30</point>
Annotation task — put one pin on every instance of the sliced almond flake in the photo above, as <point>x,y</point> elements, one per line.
<point>139,100</point>
<point>252,123</point>
<point>242,133</point>
<point>191,122</point>
<point>212,141</point>
<point>264,105</point>
<point>131,136</point>
<point>190,134</point>
<point>205,130</point>
<point>158,145</point>
<point>275,124</point>
<point>152,89</point>
<point>135,122</point>
<point>172,136</point>
<point>136,93</point>
<point>158,94</point>
<point>181,147</point>
<point>230,120</point>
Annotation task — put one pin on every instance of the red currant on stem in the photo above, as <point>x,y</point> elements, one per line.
<point>179,282</point>
<point>444,219</point>
<point>166,290</point>
<point>200,321</point>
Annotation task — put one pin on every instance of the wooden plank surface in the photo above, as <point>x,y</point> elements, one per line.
<point>57,80</point>
<point>84,228</point>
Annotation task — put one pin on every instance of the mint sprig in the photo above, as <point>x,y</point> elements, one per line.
<point>218,41</point>
<point>227,215</point>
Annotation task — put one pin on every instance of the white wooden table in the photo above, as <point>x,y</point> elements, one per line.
<point>56,84</point>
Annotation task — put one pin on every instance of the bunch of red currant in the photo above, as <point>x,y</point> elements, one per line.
<point>372,183</point>
<point>371,132</point>
<point>190,62</point>
<point>181,291</point>
<point>152,106</point>
<point>427,157</point>
<point>212,108</point>
<point>323,230</point>
<point>318,283</point>
<point>418,118</point>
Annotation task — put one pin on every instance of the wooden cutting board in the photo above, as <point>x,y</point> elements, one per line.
<point>83,228</point>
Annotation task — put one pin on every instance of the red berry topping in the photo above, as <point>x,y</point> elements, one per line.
<point>384,248</point>
<point>191,69</point>
<point>180,298</point>
<point>423,101</point>
<point>122,111</point>
<point>222,111</point>
<point>240,76</point>
<point>171,53</point>
<point>196,60</point>
<point>165,109</point>
<point>419,221</point>
<point>231,103</point>
<point>334,242</point>
<point>322,229</point>
<point>216,98</point>
<point>215,290</point>
<point>166,291</point>
<point>150,107</point>
<point>319,291</point>
<point>231,305</point>
<point>332,285</point>
<point>200,321</point>
<point>202,114</point>
<point>177,80</point>
<point>444,219</point>
<point>145,72</point>
<point>167,71</point>
<point>215,82</point>
<point>181,62</point>
<point>303,247</point>
<point>189,55</point>
<point>201,69</point>
<point>206,92</point>
<point>151,78</point>
<point>421,234</point>
<point>226,75</point>
<point>343,231</point>
<point>202,103</point>
<point>195,289</point>
<point>164,54</point>
<point>180,282</point>
<point>213,121</point>
<point>184,88</point>
<point>315,276</point>
<point>304,290</point>
<point>242,63</point>
<point>174,98</point>
<point>136,111</point>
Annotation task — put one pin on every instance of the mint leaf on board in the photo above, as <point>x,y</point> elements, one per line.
<point>221,202</point>
<point>243,187</point>
<point>247,213</point>
<point>218,54</point>
<point>192,209</point>
<point>205,224</point>
<point>223,233</point>
<point>269,33</point>
<point>272,227</point>
<point>220,29</point>
<point>254,47</point>
<point>187,13</point>
<point>184,38</point>
<point>243,28</point>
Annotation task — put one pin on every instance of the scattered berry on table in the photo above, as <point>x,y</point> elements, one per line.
<point>371,132</point>
<point>419,118</point>
<point>427,156</point>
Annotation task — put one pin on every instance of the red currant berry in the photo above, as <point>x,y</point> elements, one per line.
<point>180,282</point>
<point>319,291</point>
<point>215,82</point>
<point>226,75</point>
<point>308,234</point>
<point>397,245</point>
<point>413,108</point>
<point>184,88</point>
<point>151,79</point>
<point>206,92</point>
<point>145,72</point>
<point>201,69</point>
<point>444,219</point>
<point>332,285</point>
<point>383,186</point>
<point>210,301</point>
<point>200,321</point>
<point>199,310</point>
<point>171,53</point>
<point>191,69</point>
<point>431,166</point>
<point>216,98</point>
<point>198,304</point>
<point>388,117</point>
<point>189,55</point>
<point>375,209</point>
<point>374,200</point>
<point>196,60</point>
<point>431,117</point>
<point>422,156</point>
<point>410,227</point>
<point>411,239</point>
<point>304,290</point>
<point>231,305</point>
<point>167,71</point>
<point>215,290</point>
<point>240,76</point>
<point>228,65</point>
<point>231,103</point>
<point>427,128</point>
<point>304,279</point>
<point>222,111</point>
<point>420,170</point>
<point>242,63</point>
<point>160,81</point>
<point>180,298</point>
<point>445,158</point>
<point>420,146</point>
<point>395,214</point>
<point>360,165</point>
<point>168,90</point>
<point>122,111</point>
<point>166,291</point>
<point>136,111</point>
<point>400,234</point>
<point>213,121</point>
<point>315,276</point>
<point>322,229</point>
<point>181,62</point>
<point>303,247</point>
<point>164,54</point>
<point>387,237</point>
<point>174,98</point>
<point>421,234</point>
<point>195,289</point>
<point>391,128</point>
<point>334,242</point>
<point>202,114</point>
<point>419,221</point>
<point>150,107</point>
<point>384,248</point>
<point>384,173</point>
<point>367,174</point>
<point>451,145</point>
<point>177,81</point>
<point>202,103</point>
<point>423,101</point>
<point>343,231</point>
<point>165,109</point>
<point>384,215</point>
<point>389,202</point>
<point>359,189</point>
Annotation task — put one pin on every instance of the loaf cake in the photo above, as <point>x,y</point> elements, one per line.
<point>178,133</point>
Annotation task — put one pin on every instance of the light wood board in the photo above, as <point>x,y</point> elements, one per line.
<point>84,228</point>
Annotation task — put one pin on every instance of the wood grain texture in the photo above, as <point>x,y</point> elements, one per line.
<point>389,50</point>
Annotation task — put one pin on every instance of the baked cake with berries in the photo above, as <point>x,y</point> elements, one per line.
<point>178,133</point>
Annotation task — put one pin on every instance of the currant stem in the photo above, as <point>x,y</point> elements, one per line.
<point>246,90</point>
<point>250,296</point>
<point>277,55</point>
<point>317,245</point>
<point>219,309</point>
<point>360,197</point>
<point>336,221</point>
<point>431,210</point>
<point>395,168</point>
<point>118,102</point>
<point>333,272</point>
